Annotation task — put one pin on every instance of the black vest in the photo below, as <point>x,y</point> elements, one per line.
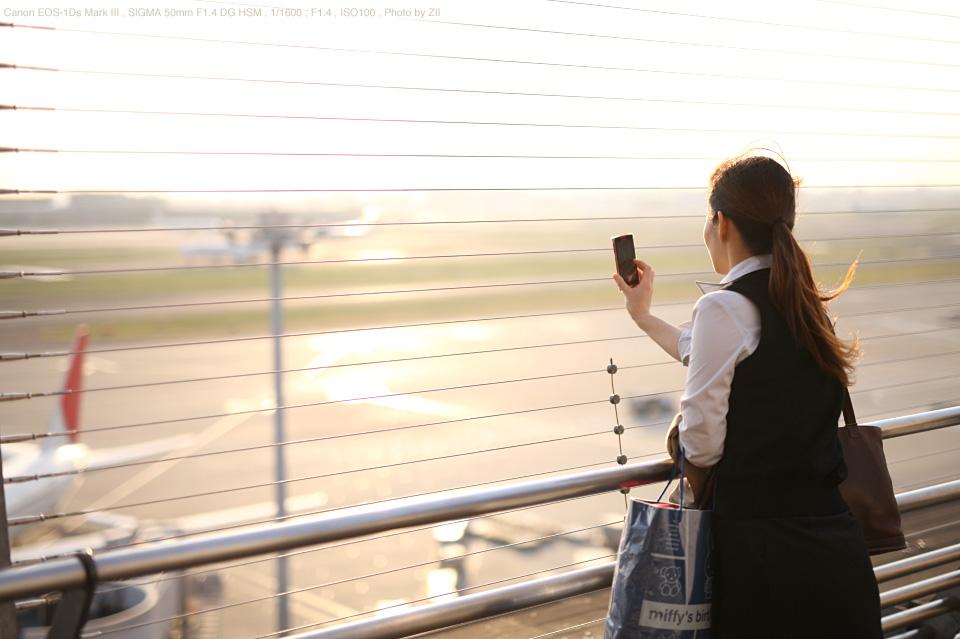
<point>781,454</point>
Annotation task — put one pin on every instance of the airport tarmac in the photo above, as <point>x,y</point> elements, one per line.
<point>372,432</point>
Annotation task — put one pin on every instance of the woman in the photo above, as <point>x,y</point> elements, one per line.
<point>764,392</point>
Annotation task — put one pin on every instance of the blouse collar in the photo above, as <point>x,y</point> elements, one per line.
<point>749,265</point>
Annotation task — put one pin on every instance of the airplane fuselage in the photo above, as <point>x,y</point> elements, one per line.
<point>41,496</point>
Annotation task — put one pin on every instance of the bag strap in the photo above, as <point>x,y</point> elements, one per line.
<point>849,417</point>
<point>673,476</point>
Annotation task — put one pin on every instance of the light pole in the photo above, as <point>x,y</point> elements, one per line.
<point>278,238</point>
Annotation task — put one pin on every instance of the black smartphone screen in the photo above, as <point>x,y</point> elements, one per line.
<point>625,254</point>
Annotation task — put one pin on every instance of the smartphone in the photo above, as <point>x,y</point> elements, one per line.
<point>625,253</point>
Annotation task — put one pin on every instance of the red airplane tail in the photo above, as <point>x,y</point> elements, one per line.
<point>66,415</point>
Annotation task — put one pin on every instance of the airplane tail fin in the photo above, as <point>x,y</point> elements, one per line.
<point>66,415</point>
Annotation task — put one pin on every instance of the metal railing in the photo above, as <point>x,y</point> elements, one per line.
<point>65,574</point>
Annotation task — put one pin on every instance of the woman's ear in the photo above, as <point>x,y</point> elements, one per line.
<point>722,222</point>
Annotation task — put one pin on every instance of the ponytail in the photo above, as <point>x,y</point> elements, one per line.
<point>758,194</point>
<point>796,295</point>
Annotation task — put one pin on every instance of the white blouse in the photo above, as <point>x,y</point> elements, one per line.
<point>724,331</point>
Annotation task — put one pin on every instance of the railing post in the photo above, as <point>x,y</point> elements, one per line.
<point>8,612</point>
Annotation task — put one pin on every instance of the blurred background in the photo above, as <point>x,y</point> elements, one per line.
<point>396,229</point>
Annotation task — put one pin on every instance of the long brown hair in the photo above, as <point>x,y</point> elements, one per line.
<point>759,195</point>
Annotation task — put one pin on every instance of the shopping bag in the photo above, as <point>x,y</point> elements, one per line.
<point>663,582</point>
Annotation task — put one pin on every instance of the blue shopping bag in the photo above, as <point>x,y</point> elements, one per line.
<point>663,583</point>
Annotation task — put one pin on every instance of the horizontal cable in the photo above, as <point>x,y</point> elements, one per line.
<point>325,225</point>
<point>450,156</point>
<point>507,61</point>
<point>481,123</point>
<point>867,287</point>
<point>932,481</point>
<point>354,330</point>
<point>689,44</point>
<point>909,383</point>
<point>18,232</point>
<point>497,189</point>
<point>866,6</point>
<point>407,603</point>
<point>954,402</point>
<point>576,627</point>
<point>318,333</point>
<point>297,591</point>
<point>391,499</point>
<point>42,517</point>
<point>302,551</point>
<point>16,438</point>
<point>33,437</point>
<point>25,478</point>
<point>757,22</point>
<point>349,542</point>
<point>308,369</point>
<point>910,359</point>
<point>877,211</point>
<point>362,260</point>
<point>335,295</point>
<point>931,307</point>
<point>410,258</point>
<point>923,531</point>
<point>55,393</point>
<point>19,521</point>
<point>101,633</point>
<point>486,92</point>
<point>27,314</point>
<point>14,480</point>
<point>939,451</point>
<point>910,333</point>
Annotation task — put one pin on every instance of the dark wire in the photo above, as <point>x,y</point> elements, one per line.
<point>568,629</point>
<point>460,590</point>
<point>485,92</point>
<point>379,537</point>
<point>458,222</point>
<point>387,500</point>
<point>514,124</point>
<point>446,190</point>
<point>415,325</point>
<point>910,383</point>
<point>593,280</point>
<point>155,269</point>
<point>14,480</point>
<point>900,409</point>
<point>354,330</point>
<point>367,576</point>
<point>342,295</point>
<point>867,6</point>
<point>909,359</point>
<point>248,449</point>
<point>443,190</point>
<point>449,156</point>
<point>528,62</point>
<point>320,368</point>
<point>689,44</point>
<point>757,22</point>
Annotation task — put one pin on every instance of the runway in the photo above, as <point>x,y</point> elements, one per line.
<point>442,407</point>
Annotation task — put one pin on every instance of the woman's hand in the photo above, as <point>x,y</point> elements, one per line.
<point>640,297</point>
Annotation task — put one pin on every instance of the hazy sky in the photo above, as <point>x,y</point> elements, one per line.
<point>637,81</point>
